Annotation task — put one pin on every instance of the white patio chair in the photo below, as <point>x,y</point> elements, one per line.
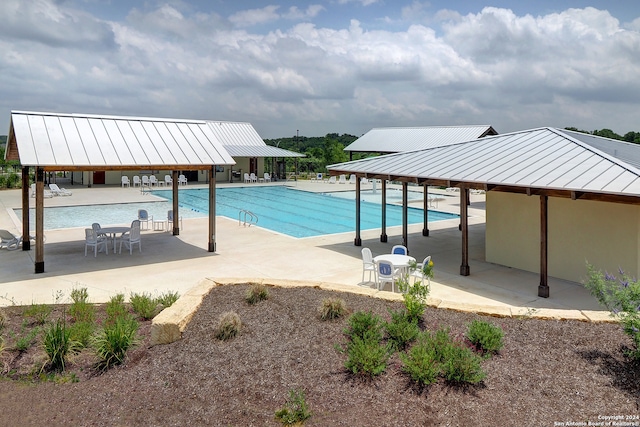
<point>418,274</point>
<point>352,179</point>
<point>170,220</point>
<point>247,178</point>
<point>57,191</point>
<point>368,265</point>
<point>267,177</point>
<point>47,194</point>
<point>92,239</point>
<point>168,180</point>
<point>136,181</point>
<point>125,181</point>
<point>342,180</point>
<point>145,181</point>
<point>400,250</point>
<point>386,274</point>
<point>332,180</point>
<point>132,237</point>
<point>153,181</point>
<point>182,180</point>
<point>253,177</point>
<point>144,217</point>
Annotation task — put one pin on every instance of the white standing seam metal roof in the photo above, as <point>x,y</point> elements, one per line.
<point>626,151</point>
<point>241,140</point>
<point>91,141</point>
<point>544,158</point>
<point>395,140</point>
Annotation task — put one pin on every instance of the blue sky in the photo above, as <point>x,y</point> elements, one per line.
<point>341,66</point>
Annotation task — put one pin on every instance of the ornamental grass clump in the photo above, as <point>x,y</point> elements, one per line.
<point>167,299</point>
<point>39,313</point>
<point>115,308</point>
<point>228,327</point>
<point>81,311</point>
<point>366,354</point>
<point>144,305</point>
<point>485,336</point>
<point>461,365</point>
<point>401,330</point>
<point>295,411</point>
<point>114,340</point>
<point>58,344</point>
<point>422,362</point>
<point>256,293</point>
<point>332,308</point>
<point>621,296</point>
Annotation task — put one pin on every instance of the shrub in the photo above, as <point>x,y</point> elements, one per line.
<point>415,297</point>
<point>144,305</point>
<point>461,365</point>
<point>422,361</point>
<point>81,333</point>
<point>332,308</point>
<point>39,313</point>
<point>256,293</point>
<point>58,344</point>
<point>228,327</point>
<point>80,295</point>
<point>364,325</point>
<point>366,356</point>
<point>114,340</point>
<point>81,310</point>
<point>115,308</point>
<point>401,330</point>
<point>168,298</point>
<point>485,336</point>
<point>295,410</point>
<point>621,296</point>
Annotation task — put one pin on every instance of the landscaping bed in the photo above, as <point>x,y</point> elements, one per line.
<point>547,372</point>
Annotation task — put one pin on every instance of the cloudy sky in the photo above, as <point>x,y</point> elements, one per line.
<point>324,66</point>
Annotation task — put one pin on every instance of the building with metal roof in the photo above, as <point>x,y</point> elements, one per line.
<point>89,143</point>
<point>581,192</point>
<point>399,139</point>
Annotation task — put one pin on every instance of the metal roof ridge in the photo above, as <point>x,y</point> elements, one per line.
<point>107,117</point>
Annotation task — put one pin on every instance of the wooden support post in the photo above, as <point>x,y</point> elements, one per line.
<point>358,240</point>
<point>212,209</point>
<point>425,208</point>
<point>39,262</point>
<point>383,235</point>
<point>543,288</point>
<point>176,217</point>
<point>405,215</point>
<point>464,225</point>
<point>26,239</point>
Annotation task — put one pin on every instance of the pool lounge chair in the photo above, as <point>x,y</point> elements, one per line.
<point>352,179</point>
<point>332,180</point>
<point>47,194</point>
<point>9,241</point>
<point>57,191</point>
<point>342,180</point>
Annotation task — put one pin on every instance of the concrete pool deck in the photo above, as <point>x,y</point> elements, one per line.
<point>180,263</point>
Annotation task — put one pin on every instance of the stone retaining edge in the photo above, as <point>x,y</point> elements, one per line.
<point>167,327</point>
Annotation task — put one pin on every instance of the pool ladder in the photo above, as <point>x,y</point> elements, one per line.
<point>247,218</point>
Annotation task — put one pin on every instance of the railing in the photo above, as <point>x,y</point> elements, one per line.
<point>247,218</point>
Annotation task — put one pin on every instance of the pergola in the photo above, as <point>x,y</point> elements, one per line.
<point>543,162</point>
<point>80,142</point>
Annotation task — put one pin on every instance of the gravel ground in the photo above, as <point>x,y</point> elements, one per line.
<point>548,372</point>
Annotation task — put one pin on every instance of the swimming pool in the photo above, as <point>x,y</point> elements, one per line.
<point>298,213</point>
<point>293,212</point>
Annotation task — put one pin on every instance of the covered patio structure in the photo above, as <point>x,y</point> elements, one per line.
<point>581,193</point>
<point>77,142</point>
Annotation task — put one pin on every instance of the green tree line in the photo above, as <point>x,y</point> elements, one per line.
<point>631,136</point>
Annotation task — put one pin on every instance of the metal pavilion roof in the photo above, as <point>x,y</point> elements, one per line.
<point>538,160</point>
<point>625,151</point>
<point>395,140</point>
<point>240,139</point>
<point>76,141</point>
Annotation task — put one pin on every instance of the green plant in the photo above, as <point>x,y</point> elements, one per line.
<point>81,333</point>
<point>81,310</point>
<point>144,305</point>
<point>621,296</point>
<point>414,295</point>
<point>364,325</point>
<point>228,327</point>
<point>295,410</point>
<point>485,336</point>
<point>366,356</point>
<point>27,340</point>
<point>401,330</point>
<point>256,293</point>
<point>79,295</point>
<point>461,365</point>
<point>58,344</point>
<point>168,298</point>
<point>114,340</point>
<point>3,321</point>
<point>332,308</point>
<point>115,308</point>
<point>38,312</point>
<point>422,362</point>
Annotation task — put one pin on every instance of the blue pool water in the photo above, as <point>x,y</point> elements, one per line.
<point>281,209</point>
<point>299,213</point>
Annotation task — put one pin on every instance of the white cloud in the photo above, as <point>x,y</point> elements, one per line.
<point>247,18</point>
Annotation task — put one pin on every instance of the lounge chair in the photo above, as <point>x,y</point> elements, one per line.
<point>47,194</point>
<point>182,180</point>
<point>332,180</point>
<point>92,239</point>
<point>124,181</point>
<point>352,179</point>
<point>57,191</point>
<point>132,237</point>
<point>342,180</point>
<point>9,241</point>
